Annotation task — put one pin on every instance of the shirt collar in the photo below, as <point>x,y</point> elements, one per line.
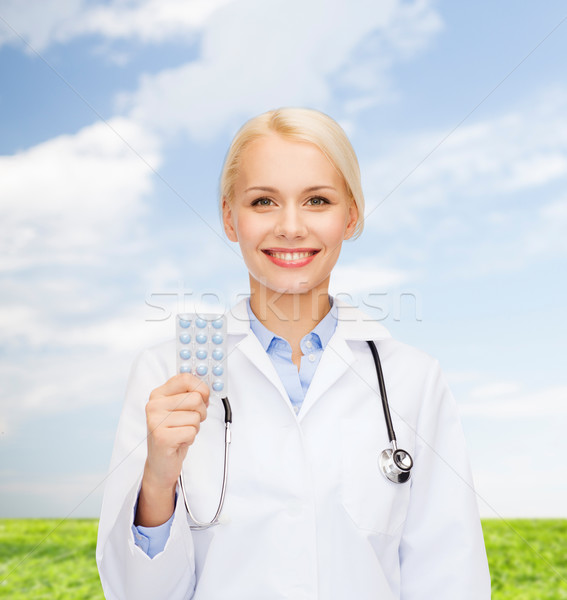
<point>324,329</point>
<point>352,323</point>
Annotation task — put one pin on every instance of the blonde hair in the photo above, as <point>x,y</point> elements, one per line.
<point>300,124</point>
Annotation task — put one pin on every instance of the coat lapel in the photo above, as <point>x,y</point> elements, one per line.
<point>337,358</point>
<point>251,348</point>
<point>238,327</point>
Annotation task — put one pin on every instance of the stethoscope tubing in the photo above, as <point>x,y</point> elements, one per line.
<point>198,525</point>
<point>383,395</point>
<point>395,463</point>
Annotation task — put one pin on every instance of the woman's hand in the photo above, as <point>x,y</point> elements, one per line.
<point>174,414</point>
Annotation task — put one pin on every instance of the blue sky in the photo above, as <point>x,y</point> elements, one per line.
<point>114,120</point>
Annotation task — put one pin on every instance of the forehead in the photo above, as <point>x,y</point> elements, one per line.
<point>282,162</point>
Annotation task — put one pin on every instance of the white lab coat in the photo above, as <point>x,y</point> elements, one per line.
<point>308,513</point>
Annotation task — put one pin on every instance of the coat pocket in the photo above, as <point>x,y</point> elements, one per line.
<point>374,503</point>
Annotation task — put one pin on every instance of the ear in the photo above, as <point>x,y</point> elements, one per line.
<point>352,220</point>
<point>228,221</point>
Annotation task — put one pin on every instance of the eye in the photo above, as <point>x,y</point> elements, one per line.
<point>317,201</point>
<point>262,202</point>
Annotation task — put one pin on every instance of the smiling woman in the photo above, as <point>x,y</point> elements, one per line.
<point>308,512</point>
<point>289,234</point>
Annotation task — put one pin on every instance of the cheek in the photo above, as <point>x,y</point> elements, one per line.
<point>332,231</point>
<point>249,231</point>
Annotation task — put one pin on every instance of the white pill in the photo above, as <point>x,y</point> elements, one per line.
<point>202,369</point>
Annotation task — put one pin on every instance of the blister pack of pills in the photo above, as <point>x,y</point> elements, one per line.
<point>201,349</point>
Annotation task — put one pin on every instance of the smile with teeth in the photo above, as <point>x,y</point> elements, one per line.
<point>290,255</point>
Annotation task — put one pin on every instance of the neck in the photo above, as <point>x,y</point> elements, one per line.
<point>290,316</point>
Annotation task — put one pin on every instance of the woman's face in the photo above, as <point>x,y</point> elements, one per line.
<point>290,214</point>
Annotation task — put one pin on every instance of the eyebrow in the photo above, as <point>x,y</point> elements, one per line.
<point>313,188</point>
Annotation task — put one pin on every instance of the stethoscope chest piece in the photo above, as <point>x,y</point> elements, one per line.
<point>396,464</point>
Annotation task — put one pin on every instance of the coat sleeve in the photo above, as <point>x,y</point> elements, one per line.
<point>126,571</point>
<point>442,553</point>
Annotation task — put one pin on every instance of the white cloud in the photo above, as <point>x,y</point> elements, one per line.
<point>463,377</point>
<point>519,237</point>
<point>365,276</point>
<point>146,20</point>
<point>65,199</point>
<point>258,55</point>
<point>39,22</point>
<point>546,236</point>
<point>53,381</point>
<point>125,331</point>
<point>66,208</point>
<point>58,365</point>
<point>72,495</point>
<point>506,400</point>
<point>480,166</point>
<point>490,199</point>
<point>69,336</point>
<point>255,55</point>
<point>70,207</point>
<point>45,22</point>
<point>405,26</point>
<point>495,390</point>
<point>81,484</point>
<point>521,488</point>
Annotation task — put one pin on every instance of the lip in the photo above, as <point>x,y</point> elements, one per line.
<point>291,263</point>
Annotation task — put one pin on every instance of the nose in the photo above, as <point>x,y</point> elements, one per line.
<point>290,223</point>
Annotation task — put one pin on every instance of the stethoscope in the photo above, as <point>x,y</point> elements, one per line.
<point>395,463</point>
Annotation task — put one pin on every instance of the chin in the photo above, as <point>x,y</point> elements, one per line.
<point>294,286</point>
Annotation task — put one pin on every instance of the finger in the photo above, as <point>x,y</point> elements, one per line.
<point>182,436</point>
<point>182,419</point>
<point>172,437</point>
<point>158,421</point>
<point>189,401</point>
<point>183,382</point>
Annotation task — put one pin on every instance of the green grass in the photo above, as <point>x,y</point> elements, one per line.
<point>528,558</point>
<point>45,559</point>
<point>41,559</point>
